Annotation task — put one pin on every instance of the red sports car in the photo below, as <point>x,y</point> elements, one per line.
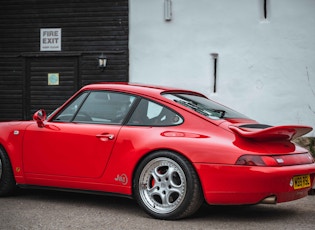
<point>170,149</point>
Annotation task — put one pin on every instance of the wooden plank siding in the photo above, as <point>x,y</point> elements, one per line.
<point>11,88</point>
<point>88,29</point>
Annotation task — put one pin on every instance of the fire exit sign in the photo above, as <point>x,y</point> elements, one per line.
<point>50,39</point>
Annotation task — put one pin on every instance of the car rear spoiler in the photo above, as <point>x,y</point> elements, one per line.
<point>288,132</point>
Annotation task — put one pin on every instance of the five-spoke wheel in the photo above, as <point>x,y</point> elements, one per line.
<point>167,187</point>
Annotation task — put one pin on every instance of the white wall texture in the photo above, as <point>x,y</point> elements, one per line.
<point>265,68</point>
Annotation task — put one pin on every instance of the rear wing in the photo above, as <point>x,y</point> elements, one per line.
<point>288,132</point>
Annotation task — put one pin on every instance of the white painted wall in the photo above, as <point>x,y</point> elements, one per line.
<point>266,68</point>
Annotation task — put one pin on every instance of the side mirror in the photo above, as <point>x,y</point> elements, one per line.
<point>40,117</point>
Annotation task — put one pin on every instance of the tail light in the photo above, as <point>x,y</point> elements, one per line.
<point>275,160</point>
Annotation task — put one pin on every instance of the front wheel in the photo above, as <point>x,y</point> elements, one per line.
<point>7,182</point>
<point>166,186</point>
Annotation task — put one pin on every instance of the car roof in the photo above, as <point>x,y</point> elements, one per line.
<point>136,88</point>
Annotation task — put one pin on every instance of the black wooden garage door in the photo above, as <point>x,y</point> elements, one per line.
<point>50,81</point>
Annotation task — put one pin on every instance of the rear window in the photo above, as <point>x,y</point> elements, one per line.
<point>149,113</point>
<point>204,106</point>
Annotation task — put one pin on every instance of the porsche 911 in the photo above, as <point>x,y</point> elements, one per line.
<point>169,149</point>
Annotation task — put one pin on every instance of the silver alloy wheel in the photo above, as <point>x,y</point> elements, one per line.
<point>162,185</point>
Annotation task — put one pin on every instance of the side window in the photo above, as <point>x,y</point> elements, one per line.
<point>72,109</point>
<point>102,107</point>
<point>149,113</point>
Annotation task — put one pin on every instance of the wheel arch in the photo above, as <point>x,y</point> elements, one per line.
<point>7,178</point>
<point>2,148</point>
<point>15,162</point>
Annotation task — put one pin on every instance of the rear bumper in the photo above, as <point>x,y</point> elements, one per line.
<point>232,184</point>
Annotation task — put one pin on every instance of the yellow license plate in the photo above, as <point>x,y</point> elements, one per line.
<point>303,181</point>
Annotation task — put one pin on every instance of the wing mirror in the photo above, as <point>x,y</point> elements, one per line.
<point>40,117</point>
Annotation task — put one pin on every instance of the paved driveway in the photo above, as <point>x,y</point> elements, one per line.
<point>37,209</point>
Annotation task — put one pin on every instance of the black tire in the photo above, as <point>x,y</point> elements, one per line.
<point>7,181</point>
<point>167,187</point>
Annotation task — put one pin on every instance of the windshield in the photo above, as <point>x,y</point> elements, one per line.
<point>204,106</point>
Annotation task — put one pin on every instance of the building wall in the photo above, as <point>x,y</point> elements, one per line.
<point>265,66</point>
<point>88,29</point>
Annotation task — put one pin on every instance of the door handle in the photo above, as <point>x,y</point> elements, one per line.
<point>106,136</point>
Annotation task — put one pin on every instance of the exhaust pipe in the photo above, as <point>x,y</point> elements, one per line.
<point>269,200</point>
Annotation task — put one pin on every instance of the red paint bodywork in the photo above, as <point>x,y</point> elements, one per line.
<point>84,157</point>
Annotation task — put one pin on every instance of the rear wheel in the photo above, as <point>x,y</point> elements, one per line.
<point>7,182</point>
<point>166,186</point>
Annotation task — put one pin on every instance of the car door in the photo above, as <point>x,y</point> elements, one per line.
<point>77,142</point>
